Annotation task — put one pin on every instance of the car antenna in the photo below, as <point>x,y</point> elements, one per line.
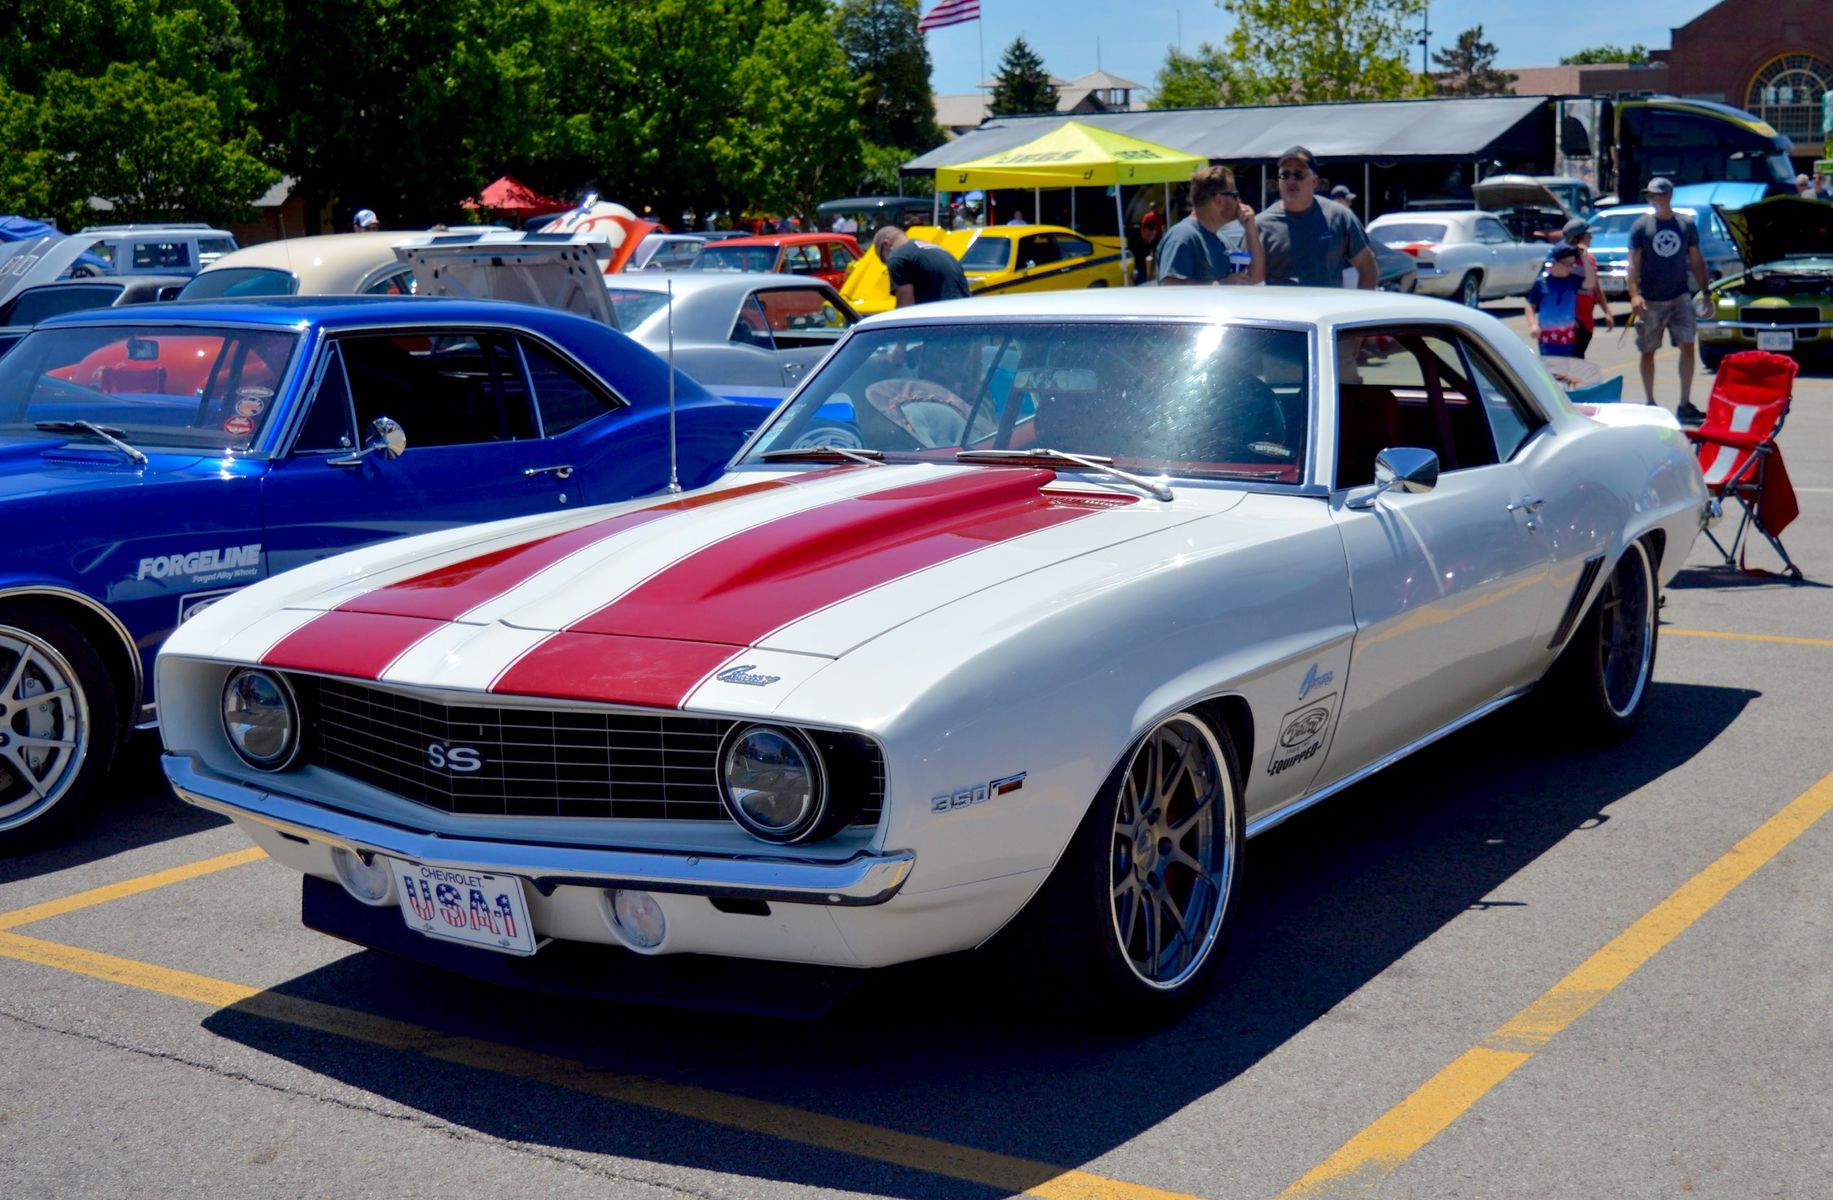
<point>674,471</point>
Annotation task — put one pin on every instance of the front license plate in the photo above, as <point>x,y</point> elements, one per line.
<point>1777,339</point>
<point>464,906</point>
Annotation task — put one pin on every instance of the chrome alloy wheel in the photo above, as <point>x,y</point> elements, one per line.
<point>44,727</point>
<point>1173,852</point>
<point>1626,631</point>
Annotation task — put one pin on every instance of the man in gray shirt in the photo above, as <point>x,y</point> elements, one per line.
<point>1664,261</point>
<point>1194,250</point>
<point>1308,239</point>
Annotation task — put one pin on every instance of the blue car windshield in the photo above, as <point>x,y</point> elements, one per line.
<point>198,387</point>
<point>1179,397</point>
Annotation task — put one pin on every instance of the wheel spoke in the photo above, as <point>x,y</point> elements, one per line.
<point>1182,826</point>
<point>24,772</point>
<point>1181,768</point>
<point>48,743</point>
<point>10,692</point>
<point>1148,912</point>
<point>1180,855</point>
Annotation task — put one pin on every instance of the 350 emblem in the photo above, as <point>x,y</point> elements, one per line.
<point>462,759</point>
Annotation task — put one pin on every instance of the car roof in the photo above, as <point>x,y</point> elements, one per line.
<point>696,283</point>
<point>332,312</point>
<point>320,254</point>
<point>785,239</point>
<point>1284,305</point>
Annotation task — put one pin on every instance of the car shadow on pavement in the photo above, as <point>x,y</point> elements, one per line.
<point>1723,578</point>
<point>138,808</point>
<point>955,1049</point>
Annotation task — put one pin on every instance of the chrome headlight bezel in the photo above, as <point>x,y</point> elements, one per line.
<point>812,816</point>
<point>289,710</point>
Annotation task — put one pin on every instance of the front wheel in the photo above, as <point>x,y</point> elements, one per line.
<point>1599,686</point>
<point>58,724</point>
<point>1470,290</point>
<point>1136,911</point>
<point>1710,356</point>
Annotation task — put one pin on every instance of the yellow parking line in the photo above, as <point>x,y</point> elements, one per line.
<point>1746,637</point>
<point>984,1167</point>
<point>1374,1154</point>
<point>128,887</point>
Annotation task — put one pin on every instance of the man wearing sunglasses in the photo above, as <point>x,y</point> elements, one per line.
<point>1217,243</point>
<point>1310,240</point>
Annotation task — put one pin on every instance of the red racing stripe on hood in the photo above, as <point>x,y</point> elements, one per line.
<point>360,645</point>
<point>737,591</point>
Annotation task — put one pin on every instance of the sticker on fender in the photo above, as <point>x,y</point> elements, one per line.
<point>464,906</point>
<point>1302,735</point>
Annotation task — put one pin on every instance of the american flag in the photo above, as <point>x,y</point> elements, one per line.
<point>950,12</point>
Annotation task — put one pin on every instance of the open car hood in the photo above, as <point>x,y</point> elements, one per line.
<point>1500,192</point>
<point>1778,227</point>
<point>38,260</point>
<point>558,271</point>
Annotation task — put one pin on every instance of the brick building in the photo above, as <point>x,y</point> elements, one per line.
<point>1773,58</point>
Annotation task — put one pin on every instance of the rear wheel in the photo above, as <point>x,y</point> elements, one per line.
<point>1600,684</point>
<point>1470,290</point>
<point>58,723</point>
<point>1710,356</point>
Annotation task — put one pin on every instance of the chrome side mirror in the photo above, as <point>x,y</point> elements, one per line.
<point>386,437</point>
<point>1407,469</point>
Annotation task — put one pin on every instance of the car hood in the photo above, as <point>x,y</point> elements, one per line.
<point>563,274</point>
<point>39,466</point>
<point>1515,191</point>
<point>1781,226</point>
<point>40,260</point>
<point>765,576</point>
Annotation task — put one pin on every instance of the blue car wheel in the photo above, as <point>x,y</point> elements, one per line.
<point>58,724</point>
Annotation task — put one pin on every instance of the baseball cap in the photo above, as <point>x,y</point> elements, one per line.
<point>1341,192</point>
<point>1659,187</point>
<point>365,217</point>
<point>1302,154</point>
<point>1563,251</point>
<point>1576,227</point>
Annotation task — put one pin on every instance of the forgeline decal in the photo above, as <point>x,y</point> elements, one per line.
<point>204,566</point>
<point>978,793</point>
<point>1303,733</point>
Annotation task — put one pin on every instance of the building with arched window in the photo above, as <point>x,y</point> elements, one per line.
<point>1774,59</point>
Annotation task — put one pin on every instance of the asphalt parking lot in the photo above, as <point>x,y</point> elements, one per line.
<point>1503,968</point>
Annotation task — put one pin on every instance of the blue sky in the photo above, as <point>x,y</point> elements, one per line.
<point>1134,34</point>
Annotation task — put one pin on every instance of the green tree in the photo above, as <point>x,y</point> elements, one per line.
<point>1322,50</point>
<point>1637,53</point>
<point>890,61</point>
<point>793,138</point>
<point>1469,67</point>
<point>1022,85</point>
<point>148,145</point>
<point>1201,80</point>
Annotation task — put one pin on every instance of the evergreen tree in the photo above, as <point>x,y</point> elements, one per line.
<point>1022,85</point>
<point>1468,67</point>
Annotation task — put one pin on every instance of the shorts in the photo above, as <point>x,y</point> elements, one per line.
<point>1676,316</point>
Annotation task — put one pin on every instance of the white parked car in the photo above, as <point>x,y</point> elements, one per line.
<point>1113,582</point>
<point>1464,254</point>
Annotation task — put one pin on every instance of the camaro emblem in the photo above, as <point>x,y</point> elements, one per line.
<point>1313,681</point>
<point>460,759</point>
<point>742,674</point>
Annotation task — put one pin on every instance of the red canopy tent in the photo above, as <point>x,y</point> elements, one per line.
<point>512,198</point>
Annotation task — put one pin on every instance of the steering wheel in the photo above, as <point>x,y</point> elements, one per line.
<point>927,411</point>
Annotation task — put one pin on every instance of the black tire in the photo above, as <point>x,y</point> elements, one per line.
<point>1091,943</point>
<point>46,782</point>
<point>1470,290</point>
<point>1599,686</point>
<point>1098,283</point>
<point>1710,356</point>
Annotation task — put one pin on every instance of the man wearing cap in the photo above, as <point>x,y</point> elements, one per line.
<point>1577,233</point>
<point>1309,240</point>
<point>365,221</point>
<point>1342,195</point>
<point>1665,264</point>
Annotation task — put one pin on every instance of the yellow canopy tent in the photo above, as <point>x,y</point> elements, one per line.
<point>1073,155</point>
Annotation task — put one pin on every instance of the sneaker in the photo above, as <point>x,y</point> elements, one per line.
<point>1689,415</point>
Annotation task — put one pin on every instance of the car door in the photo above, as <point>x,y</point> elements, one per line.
<point>474,449</point>
<point>804,324</point>
<point>1449,584</point>
<point>1507,273</point>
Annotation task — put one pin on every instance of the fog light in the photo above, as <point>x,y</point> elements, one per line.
<point>638,918</point>
<point>369,881</point>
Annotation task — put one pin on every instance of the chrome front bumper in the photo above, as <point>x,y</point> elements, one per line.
<point>864,879</point>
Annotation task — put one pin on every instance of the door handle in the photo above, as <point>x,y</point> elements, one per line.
<point>792,369</point>
<point>561,472</point>
<point>1530,504</point>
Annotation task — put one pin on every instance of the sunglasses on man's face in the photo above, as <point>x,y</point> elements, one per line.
<point>1295,174</point>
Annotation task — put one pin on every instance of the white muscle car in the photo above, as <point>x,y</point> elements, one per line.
<point>1100,586</point>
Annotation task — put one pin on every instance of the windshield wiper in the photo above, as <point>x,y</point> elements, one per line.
<point>824,453</point>
<point>107,433</point>
<point>1089,462</point>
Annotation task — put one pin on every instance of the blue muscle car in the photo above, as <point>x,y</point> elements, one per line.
<point>153,461</point>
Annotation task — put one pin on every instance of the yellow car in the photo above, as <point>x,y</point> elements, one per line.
<point>1000,258</point>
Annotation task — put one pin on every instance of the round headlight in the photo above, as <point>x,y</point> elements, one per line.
<point>261,719</point>
<point>772,782</point>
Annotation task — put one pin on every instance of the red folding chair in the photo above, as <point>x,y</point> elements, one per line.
<point>1738,453</point>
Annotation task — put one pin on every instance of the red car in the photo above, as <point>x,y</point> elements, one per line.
<point>823,255</point>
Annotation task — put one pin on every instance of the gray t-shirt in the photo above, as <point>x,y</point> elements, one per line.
<point>1310,248</point>
<point>1189,251</point>
<point>1663,244</point>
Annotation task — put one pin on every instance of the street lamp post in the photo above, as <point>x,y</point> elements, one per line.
<point>1424,39</point>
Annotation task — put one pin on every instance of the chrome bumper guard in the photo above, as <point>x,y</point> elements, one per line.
<point>1765,326</point>
<point>864,879</point>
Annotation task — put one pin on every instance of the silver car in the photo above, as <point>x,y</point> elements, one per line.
<point>1464,254</point>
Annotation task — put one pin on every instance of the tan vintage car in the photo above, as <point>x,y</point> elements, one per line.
<point>332,264</point>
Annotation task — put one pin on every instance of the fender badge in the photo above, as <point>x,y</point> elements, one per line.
<point>742,674</point>
<point>978,793</point>
<point>1313,681</point>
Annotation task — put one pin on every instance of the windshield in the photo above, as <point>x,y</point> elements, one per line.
<point>1400,232</point>
<point>240,281</point>
<point>987,254</point>
<point>714,257</point>
<point>1614,224</point>
<point>40,304</point>
<point>197,386</point>
<point>1156,396</point>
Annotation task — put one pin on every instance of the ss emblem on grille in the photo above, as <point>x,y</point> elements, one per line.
<point>465,759</point>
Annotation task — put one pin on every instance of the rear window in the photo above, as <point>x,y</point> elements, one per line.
<point>195,386</point>
<point>151,256</point>
<point>633,306</point>
<point>38,304</point>
<point>987,254</point>
<point>240,281</point>
<point>1400,233</point>
<point>735,258</point>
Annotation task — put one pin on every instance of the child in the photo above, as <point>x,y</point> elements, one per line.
<point>1552,304</point>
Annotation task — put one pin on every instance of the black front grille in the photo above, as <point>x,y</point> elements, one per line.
<point>546,762</point>
<point>1800,315</point>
